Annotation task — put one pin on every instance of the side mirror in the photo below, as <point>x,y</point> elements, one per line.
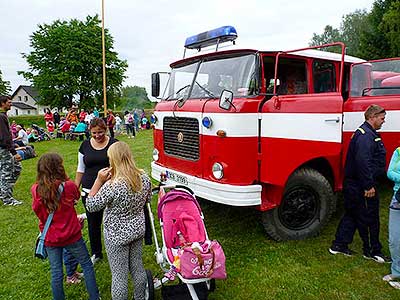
<point>225,100</point>
<point>155,85</point>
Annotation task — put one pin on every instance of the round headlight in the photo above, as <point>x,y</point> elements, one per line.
<point>207,122</point>
<point>218,170</point>
<point>155,154</point>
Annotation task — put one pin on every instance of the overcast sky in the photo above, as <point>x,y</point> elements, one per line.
<point>150,34</point>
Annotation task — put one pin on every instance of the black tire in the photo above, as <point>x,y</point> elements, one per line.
<point>307,205</point>
<point>149,292</point>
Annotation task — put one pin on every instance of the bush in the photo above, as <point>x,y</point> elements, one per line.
<point>27,121</point>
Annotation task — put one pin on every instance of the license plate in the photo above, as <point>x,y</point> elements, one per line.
<point>177,178</point>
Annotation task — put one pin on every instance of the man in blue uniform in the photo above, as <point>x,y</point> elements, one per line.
<point>365,163</point>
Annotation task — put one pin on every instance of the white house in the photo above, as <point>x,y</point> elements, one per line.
<point>24,102</point>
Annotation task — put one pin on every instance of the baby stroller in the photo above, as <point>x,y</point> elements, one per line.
<point>182,228</point>
<point>42,134</point>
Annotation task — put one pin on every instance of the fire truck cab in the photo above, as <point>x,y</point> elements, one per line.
<point>268,129</point>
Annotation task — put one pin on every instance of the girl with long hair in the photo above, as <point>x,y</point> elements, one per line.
<point>65,230</point>
<point>122,189</point>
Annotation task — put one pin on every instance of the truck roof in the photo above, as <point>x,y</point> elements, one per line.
<point>303,53</point>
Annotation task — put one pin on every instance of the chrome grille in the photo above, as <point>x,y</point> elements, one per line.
<point>181,137</point>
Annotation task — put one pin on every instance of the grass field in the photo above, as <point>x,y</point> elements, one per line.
<point>258,268</point>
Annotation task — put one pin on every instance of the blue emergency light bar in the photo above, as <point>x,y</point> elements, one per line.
<point>212,37</point>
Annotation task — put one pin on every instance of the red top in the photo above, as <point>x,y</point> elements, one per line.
<point>48,117</point>
<point>64,228</point>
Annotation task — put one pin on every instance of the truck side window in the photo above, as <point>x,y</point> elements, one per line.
<point>324,77</point>
<point>293,76</point>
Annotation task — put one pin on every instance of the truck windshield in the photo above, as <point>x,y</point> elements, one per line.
<point>376,78</point>
<point>212,75</point>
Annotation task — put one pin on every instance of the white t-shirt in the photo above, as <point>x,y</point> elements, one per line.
<point>23,136</point>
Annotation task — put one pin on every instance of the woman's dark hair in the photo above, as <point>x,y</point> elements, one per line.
<point>126,112</point>
<point>50,173</point>
<point>98,122</point>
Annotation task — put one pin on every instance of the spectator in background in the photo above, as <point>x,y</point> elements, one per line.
<point>13,128</point>
<point>129,124</point>
<point>50,129</point>
<point>72,117</point>
<point>82,115</point>
<point>96,113</point>
<point>32,135</point>
<point>22,137</point>
<point>110,122</point>
<point>48,116</point>
<point>57,118</point>
<point>137,120</point>
<point>89,117</point>
<point>118,122</point>
<point>64,125</point>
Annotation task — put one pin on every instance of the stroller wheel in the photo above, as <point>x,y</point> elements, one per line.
<point>149,291</point>
<point>211,285</point>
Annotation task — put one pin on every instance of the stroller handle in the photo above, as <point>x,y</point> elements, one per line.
<point>170,187</point>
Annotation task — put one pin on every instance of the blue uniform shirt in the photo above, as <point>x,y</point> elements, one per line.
<point>366,157</point>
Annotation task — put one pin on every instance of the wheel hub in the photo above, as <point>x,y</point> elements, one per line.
<point>299,208</point>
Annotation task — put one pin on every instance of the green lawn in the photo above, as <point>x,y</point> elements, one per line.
<point>258,268</point>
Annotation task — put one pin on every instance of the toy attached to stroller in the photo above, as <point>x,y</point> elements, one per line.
<point>186,251</point>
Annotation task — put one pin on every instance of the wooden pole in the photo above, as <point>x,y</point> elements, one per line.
<point>104,58</point>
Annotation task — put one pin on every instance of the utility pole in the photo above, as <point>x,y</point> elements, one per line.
<point>104,58</point>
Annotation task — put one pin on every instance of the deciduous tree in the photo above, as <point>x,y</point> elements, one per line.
<point>5,87</point>
<point>66,63</point>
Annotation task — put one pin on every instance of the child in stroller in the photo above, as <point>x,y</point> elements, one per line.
<point>42,134</point>
<point>186,251</point>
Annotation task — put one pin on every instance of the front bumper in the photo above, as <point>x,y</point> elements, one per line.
<point>235,195</point>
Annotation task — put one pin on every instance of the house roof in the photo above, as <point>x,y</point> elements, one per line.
<point>22,105</point>
<point>30,90</point>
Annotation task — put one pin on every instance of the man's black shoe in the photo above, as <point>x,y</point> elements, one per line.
<point>339,250</point>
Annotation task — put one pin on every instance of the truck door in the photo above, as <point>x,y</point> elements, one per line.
<point>374,82</point>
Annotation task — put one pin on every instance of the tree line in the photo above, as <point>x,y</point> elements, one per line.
<point>370,35</point>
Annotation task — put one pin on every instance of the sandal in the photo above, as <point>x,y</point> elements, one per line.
<point>389,277</point>
<point>73,280</point>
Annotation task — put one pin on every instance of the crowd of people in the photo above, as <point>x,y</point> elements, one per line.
<point>76,122</point>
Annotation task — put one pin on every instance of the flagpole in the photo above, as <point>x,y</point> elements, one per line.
<point>104,59</point>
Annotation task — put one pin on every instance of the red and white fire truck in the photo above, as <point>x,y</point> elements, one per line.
<point>268,129</point>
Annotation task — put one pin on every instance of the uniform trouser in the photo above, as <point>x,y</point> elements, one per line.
<point>361,214</point>
<point>95,220</point>
<point>10,169</point>
<point>394,240</point>
<point>125,259</point>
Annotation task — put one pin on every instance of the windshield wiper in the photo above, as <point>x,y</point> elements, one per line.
<point>178,91</point>
<point>211,94</point>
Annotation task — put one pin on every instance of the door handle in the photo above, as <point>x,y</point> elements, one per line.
<point>333,120</point>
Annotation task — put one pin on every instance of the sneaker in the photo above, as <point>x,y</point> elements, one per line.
<point>338,250</point>
<point>8,203</point>
<point>395,284</point>
<point>94,259</point>
<point>389,277</point>
<point>380,258</point>
<point>16,202</point>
